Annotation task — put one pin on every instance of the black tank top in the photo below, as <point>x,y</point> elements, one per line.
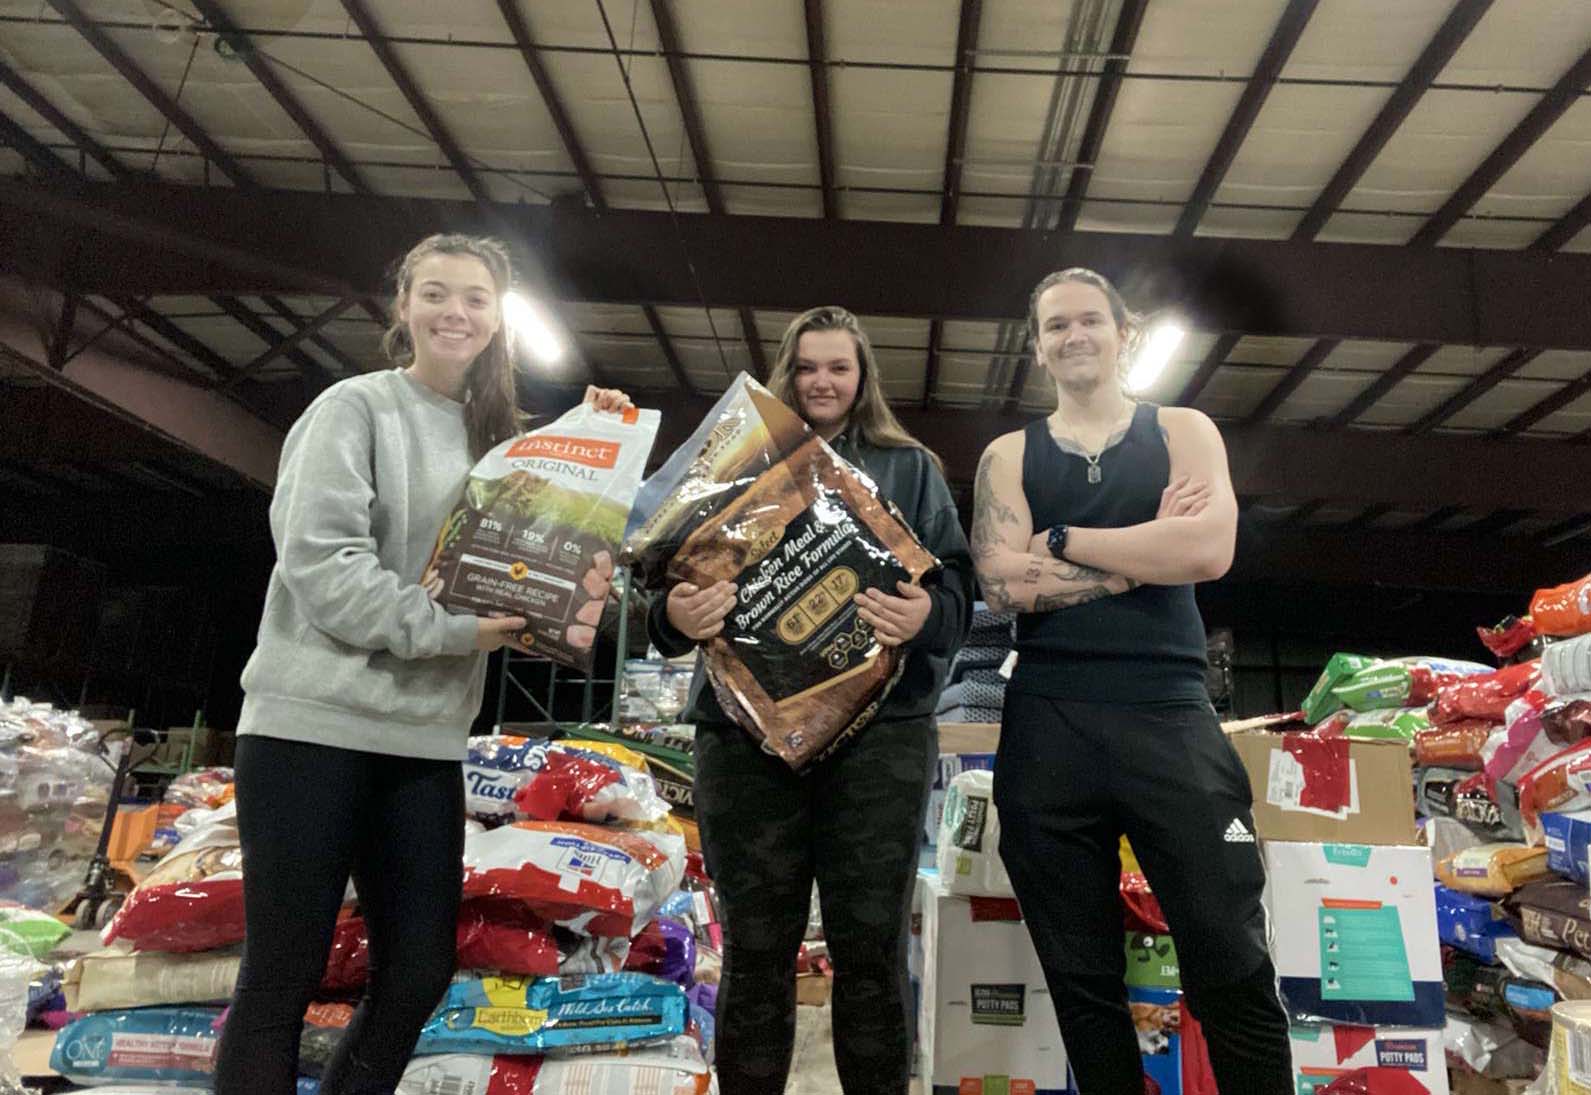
<point>1143,646</point>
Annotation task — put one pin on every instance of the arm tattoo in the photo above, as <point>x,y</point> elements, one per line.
<point>988,512</point>
<point>1051,602</point>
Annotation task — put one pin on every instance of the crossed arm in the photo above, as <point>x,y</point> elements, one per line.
<point>1011,575</point>
<point>1190,540</point>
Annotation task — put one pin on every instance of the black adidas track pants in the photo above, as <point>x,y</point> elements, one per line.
<point>1070,779</point>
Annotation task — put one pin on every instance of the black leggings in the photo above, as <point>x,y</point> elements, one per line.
<point>309,817</point>
<point>853,824</point>
<point>1070,779</point>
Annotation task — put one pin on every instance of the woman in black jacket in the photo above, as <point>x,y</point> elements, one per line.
<point>852,821</point>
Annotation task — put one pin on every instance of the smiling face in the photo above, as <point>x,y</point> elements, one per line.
<point>827,375</point>
<point>1078,340</point>
<point>452,310</point>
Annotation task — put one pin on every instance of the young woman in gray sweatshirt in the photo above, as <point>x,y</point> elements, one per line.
<point>361,690</point>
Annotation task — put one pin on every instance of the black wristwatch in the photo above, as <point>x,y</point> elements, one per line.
<point>1058,540</point>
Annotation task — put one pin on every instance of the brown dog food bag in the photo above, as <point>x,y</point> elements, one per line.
<point>756,498</point>
<point>539,526</point>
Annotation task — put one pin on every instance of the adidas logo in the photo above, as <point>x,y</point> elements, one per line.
<point>1236,834</point>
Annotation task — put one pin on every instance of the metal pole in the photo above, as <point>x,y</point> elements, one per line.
<point>5,685</point>
<point>622,655</point>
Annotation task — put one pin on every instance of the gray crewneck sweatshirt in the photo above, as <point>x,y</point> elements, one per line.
<point>352,652</point>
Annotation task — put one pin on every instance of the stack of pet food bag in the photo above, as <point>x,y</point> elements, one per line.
<point>576,945</point>
<point>1384,972</point>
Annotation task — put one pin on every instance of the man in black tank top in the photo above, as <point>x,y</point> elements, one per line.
<point>1093,525</point>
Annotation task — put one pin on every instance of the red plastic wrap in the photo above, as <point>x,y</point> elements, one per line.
<point>1454,745</point>
<point>1563,610</point>
<point>1140,908</point>
<point>595,881</point>
<point>180,917</point>
<point>348,965</point>
<point>1327,774</point>
<point>1486,696</point>
<point>1509,637</point>
<point>1375,1081</point>
<point>506,938</point>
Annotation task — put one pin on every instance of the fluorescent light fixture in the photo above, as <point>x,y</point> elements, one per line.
<point>1160,343</point>
<point>528,325</point>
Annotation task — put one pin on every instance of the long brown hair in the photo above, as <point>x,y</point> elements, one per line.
<point>870,415</point>
<point>491,414</point>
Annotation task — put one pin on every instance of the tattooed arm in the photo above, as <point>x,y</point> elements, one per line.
<point>1012,578</point>
<point>1174,550</point>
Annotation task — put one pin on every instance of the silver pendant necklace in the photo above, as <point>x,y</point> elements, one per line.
<point>1095,475</point>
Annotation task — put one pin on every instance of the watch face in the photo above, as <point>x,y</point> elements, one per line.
<point>1057,540</point>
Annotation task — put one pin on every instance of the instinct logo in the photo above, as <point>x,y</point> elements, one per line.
<point>1237,834</point>
<point>576,450</point>
<point>519,571</point>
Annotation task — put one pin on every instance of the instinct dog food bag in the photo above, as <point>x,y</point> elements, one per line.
<point>539,527</point>
<point>756,498</point>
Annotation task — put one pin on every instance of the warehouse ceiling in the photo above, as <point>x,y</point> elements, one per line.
<point>1375,217</point>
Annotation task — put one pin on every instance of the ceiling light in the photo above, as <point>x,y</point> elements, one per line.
<point>528,326</point>
<point>1160,343</point>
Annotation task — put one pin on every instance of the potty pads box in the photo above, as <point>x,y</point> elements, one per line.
<point>1401,1061</point>
<point>1355,934</point>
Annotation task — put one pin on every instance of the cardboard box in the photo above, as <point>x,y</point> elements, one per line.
<point>812,989</point>
<point>986,1025</point>
<point>1310,790</point>
<point>1355,934</point>
<point>1323,1053</point>
<point>969,737</point>
<point>1568,841</point>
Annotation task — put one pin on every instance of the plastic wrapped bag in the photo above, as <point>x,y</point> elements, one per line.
<point>1402,682</point>
<point>669,1069</point>
<point>539,525</point>
<point>488,1015</point>
<point>28,931</point>
<point>1509,637</point>
<point>159,1045</point>
<point>1563,610</point>
<point>582,785</point>
<point>1453,745</point>
<point>114,979</point>
<point>755,497</point>
<point>1493,869</point>
<point>495,769</point>
<point>193,899</point>
<point>1562,783</point>
<point>969,838</point>
<point>206,788</point>
<point>1484,695</point>
<point>665,948</point>
<point>504,937</point>
<point>1552,913</point>
<point>595,881</point>
<point>1491,1048</point>
<point>1322,699</point>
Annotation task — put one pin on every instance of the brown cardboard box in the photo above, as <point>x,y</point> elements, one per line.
<point>1383,814</point>
<point>812,989</point>
<point>969,737</point>
<point>1465,1082</point>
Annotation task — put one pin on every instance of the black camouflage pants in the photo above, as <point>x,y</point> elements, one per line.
<point>853,823</point>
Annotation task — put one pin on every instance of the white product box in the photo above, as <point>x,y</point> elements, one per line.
<point>1321,1054</point>
<point>986,1023</point>
<point>1355,934</point>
